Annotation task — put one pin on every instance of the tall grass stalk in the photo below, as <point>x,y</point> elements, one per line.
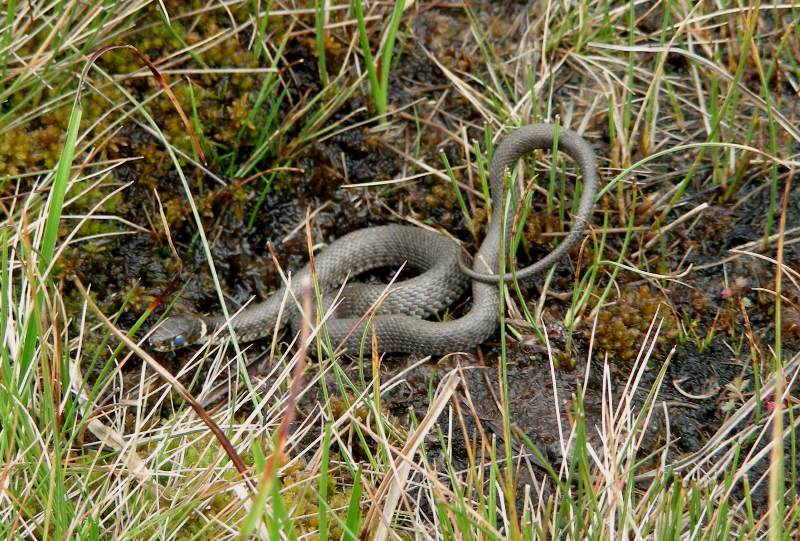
<point>320,19</point>
<point>378,70</point>
<point>49,237</point>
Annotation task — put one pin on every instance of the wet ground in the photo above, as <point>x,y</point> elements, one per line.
<point>243,215</point>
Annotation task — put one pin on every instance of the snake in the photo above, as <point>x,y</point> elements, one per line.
<point>397,313</point>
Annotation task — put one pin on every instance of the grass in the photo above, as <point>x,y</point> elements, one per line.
<point>378,69</point>
<point>389,111</point>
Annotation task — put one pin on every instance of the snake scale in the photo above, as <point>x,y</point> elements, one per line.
<point>399,323</point>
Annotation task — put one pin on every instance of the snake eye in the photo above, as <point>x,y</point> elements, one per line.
<point>179,341</point>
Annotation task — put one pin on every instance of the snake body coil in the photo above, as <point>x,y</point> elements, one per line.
<point>399,323</point>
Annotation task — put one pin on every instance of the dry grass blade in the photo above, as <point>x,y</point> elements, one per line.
<point>177,385</point>
<point>784,122</point>
<point>161,81</point>
<point>110,437</point>
<point>387,496</point>
<point>299,366</point>
<point>776,473</point>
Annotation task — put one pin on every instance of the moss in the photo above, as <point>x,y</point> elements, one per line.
<point>339,408</point>
<point>622,326</point>
<point>138,297</point>
<point>24,150</point>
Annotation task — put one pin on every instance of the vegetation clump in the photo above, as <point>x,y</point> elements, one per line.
<point>622,326</point>
<point>205,499</point>
<point>23,150</point>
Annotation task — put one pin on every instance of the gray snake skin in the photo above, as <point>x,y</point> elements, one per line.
<point>399,322</point>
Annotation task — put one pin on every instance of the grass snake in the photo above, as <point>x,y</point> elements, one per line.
<point>399,321</point>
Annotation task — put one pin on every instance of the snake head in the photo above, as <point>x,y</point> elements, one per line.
<point>178,331</point>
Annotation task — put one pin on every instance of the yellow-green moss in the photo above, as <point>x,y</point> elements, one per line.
<point>621,326</point>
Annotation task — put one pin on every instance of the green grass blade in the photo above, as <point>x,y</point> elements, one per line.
<point>353,521</point>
